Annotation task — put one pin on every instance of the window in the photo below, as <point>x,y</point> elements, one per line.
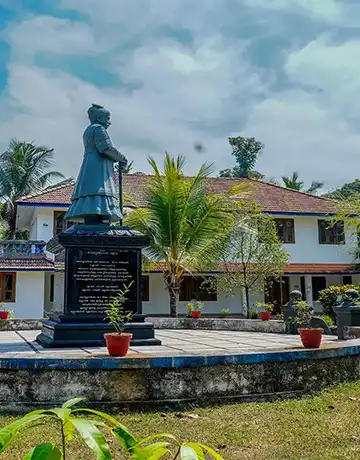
<point>7,287</point>
<point>286,230</point>
<point>193,287</point>
<point>145,292</point>
<point>347,279</point>
<point>331,233</point>
<point>52,283</point>
<point>318,284</point>
<point>60,224</point>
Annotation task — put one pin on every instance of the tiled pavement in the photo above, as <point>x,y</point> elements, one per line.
<point>174,343</point>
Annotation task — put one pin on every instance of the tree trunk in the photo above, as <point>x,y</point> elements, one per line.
<point>247,297</point>
<point>11,220</point>
<point>173,288</point>
<point>173,303</point>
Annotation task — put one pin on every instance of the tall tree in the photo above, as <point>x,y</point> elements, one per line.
<point>23,170</point>
<point>246,151</point>
<point>346,191</point>
<point>295,183</point>
<point>252,254</point>
<point>183,222</point>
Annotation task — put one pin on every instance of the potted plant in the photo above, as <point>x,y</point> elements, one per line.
<point>310,337</point>
<point>195,307</point>
<point>224,313</point>
<point>5,314</point>
<point>265,315</point>
<point>118,342</point>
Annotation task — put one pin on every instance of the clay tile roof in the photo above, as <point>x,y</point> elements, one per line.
<point>29,264</point>
<point>269,197</point>
<point>321,268</point>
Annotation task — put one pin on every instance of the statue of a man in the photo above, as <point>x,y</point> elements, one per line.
<point>94,200</point>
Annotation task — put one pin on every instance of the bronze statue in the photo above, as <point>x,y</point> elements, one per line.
<point>95,200</point>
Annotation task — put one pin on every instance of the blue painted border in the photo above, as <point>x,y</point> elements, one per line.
<point>44,205</point>
<point>175,362</point>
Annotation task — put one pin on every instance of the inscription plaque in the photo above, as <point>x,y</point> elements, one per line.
<point>96,275</point>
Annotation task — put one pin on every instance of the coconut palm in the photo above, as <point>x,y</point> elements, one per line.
<point>295,183</point>
<point>23,170</point>
<point>182,221</point>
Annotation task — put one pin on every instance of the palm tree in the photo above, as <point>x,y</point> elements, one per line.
<point>126,170</point>
<point>315,186</point>
<point>183,222</point>
<point>23,170</point>
<point>294,183</point>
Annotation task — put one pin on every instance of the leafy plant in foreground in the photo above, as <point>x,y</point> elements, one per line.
<point>156,447</point>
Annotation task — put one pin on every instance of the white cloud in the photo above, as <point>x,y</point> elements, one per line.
<point>46,33</point>
<point>173,93</point>
<point>332,69</point>
<point>331,11</point>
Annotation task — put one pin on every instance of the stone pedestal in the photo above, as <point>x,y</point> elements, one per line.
<point>99,261</point>
<point>347,313</point>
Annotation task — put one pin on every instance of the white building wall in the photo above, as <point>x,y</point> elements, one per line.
<point>307,248</point>
<point>159,300</point>
<point>45,222</point>
<point>29,296</point>
<point>33,227</point>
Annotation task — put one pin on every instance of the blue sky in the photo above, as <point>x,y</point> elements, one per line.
<point>177,72</point>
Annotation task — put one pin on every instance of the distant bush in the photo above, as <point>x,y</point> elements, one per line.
<point>253,314</point>
<point>327,320</point>
<point>225,312</point>
<point>331,297</point>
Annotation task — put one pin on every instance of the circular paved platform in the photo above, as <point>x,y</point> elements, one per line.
<point>190,365</point>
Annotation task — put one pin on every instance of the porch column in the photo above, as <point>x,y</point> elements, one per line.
<point>308,290</point>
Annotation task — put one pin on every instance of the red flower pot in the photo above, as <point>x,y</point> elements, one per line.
<point>311,338</point>
<point>4,314</point>
<point>196,313</point>
<point>265,315</point>
<point>118,344</point>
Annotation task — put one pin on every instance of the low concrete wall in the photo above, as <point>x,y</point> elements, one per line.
<point>113,383</point>
<point>21,324</point>
<point>228,324</point>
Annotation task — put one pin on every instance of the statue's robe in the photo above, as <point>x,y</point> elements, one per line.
<point>95,191</point>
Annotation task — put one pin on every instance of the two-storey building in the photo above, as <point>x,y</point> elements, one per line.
<point>31,277</point>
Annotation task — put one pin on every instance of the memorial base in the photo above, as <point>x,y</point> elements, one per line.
<point>62,331</point>
<point>100,262</point>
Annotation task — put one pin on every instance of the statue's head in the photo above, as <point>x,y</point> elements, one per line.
<point>98,114</point>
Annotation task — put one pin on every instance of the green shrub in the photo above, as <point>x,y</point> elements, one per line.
<point>330,298</point>
<point>225,312</point>
<point>327,320</point>
<point>253,314</point>
<point>73,421</point>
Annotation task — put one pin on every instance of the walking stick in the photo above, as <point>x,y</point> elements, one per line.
<point>120,194</point>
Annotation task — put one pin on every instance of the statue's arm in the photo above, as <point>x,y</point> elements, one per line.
<point>105,147</point>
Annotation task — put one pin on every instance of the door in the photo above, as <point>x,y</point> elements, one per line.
<point>277,293</point>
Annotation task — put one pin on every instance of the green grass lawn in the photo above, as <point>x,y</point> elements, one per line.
<point>322,427</point>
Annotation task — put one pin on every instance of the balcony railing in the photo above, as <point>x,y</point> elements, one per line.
<point>18,248</point>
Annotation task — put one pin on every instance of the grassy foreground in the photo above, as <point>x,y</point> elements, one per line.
<point>323,427</point>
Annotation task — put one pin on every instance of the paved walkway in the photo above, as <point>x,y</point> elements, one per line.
<point>174,343</point>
